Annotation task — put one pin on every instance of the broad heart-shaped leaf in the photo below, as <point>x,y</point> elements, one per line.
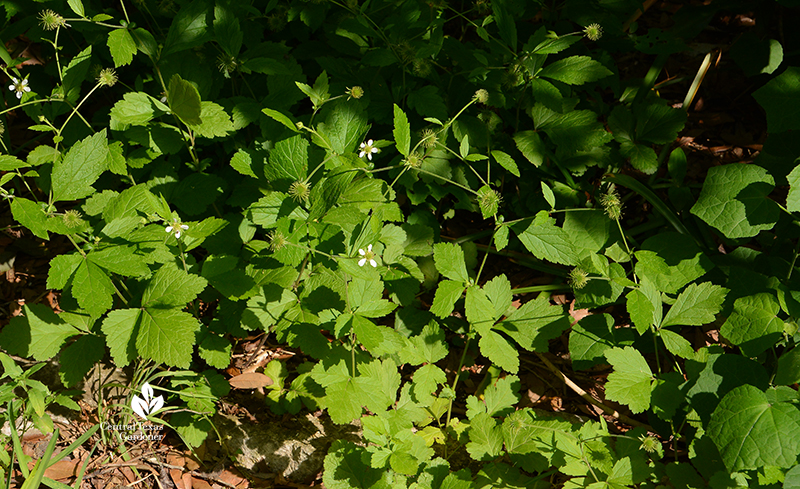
<point>38,334</point>
<point>31,215</point>
<point>734,200</point>
<point>547,241</point>
<point>781,100</point>
<point>754,325</point>
<point>696,305</point>
<point>171,286</point>
<point>752,431</point>
<point>630,382</point>
<point>592,336</point>
<point>401,132</point>
<point>122,47</point>
<point>184,100</point>
<point>575,70</point>
<point>167,336</point>
<point>93,289</point>
<point>73,176</point>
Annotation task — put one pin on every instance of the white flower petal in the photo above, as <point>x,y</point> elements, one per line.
<point>369,248</point>
<point>19,96</point>
<point>178,234</point>
<point>14,80</point>
<point>12,87</point>
<point>24,82</point>
<point>361,154</point>
<point>363,145</point>
<point>370,142</point>
<point>27,89</point>
<point>184,226</point>
<point>362,252</point>
<point>373,263</point>
<point>169,229</point>
<point>369,155</point>
<point>362,261</point>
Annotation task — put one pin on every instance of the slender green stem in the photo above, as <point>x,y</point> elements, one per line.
<point>455,380</point>
<point>447,180</point>
<point>540,288</point>
<point>77,107</point>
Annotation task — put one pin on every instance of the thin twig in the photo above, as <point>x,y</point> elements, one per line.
<point>576,388</point>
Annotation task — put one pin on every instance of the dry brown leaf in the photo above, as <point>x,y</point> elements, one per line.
<point>200,484</point>
<point>177,478</point>
<point>252,380</point>
<point>63,469</point>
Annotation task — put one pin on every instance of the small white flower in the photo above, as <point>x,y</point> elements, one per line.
<point>368,149</point>
<point>176,228</point>
<point>368,256</point>
<point>19,86</point>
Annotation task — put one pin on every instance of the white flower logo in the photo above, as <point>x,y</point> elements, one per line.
<point>176,228</point>
<point>149,404</point>
<point>19,86</point>
<point>368,149</point>
<point>368,256</point>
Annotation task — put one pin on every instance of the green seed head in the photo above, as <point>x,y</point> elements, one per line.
<point>611,204</point>
<point>578,278</point>
<point>50,20</point>
<point>482,96</point>
<point>300,191</point>
<point>107,77</point>
<point>593,32</point>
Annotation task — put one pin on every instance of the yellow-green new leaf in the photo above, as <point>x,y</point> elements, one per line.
<point>631,381</point>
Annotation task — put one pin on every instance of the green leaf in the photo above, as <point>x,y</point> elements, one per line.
<point>677,344</point>
<point>550,197</point>
<point>11,163</point>
<point>670,261</point>
<point>531,146</point>
<point>505,23</point>
<point>588,229</point>
<point>242,163</point>
<point>75,73</point>
<point>788,371</point>
<point>31,215</point>
<point>501,396</point>
<point>447,293</point>
<point>167,336</point>
<point>642,157</point>
<point>427,347</point>
<point>333,186</point>
<point>658,123</point>
<point>498,290</point>
<point>486,438</point>
<point>534,324</point>
<point>136,108</point>
<point>592,337</point>
<point>449,259</point>
<point>402,131</point>
<point>428,102</point>
<point>734,200</point>
<point>39,333</point>
<point>319,93</point>
<point>288,160</point>
<point>216,351</point>
<point>227,31</point>
<point>78,358</point>
<point>121,260</point>
<point>547,94</point>
<point>573,131</point>
<point>188,29</point>
<point>73,176</point>
<point>479,310</point>
<point>506,161</point>
<point>548,242</point>
<point>779,97</point>
<point>215,122</point>
<point>630,382</point>
<point>499,350</point>
<point>120,328</point>
<point>793,199</point>
<point>752,431</point>
<point>280,117</point>
<point>184,100</point>
<point>122,47</point>
<point>77,7</point>
<point>346,467</point>
<point>93,289</point>
<point>196,192</point>
<point>754,325</point>
<point>575,70</point>
<point>696,306</point>
<point>344,126</point>
<point>61,269</point>
<point>644,306</point>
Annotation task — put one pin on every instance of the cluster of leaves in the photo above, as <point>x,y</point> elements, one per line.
<point>285,212</point>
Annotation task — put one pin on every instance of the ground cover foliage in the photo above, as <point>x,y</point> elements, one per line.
<point>229,168</point>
